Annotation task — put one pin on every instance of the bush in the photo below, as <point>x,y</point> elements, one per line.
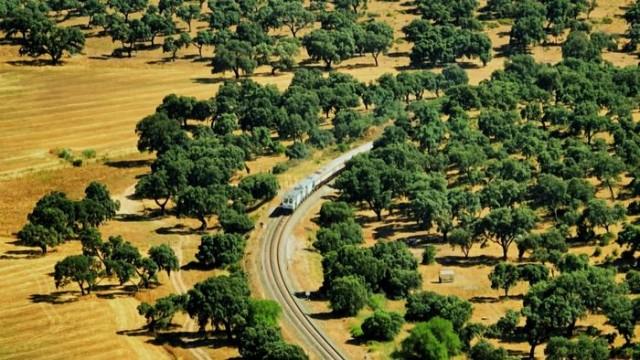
<point>382,326</point>
<point>88,153</point>
<point>65,154</point>
<point>298,151</point>
<point>633,281</point>
<point>347,295</point>
<point>342,147</point>
<point>634,208</point>
<point>233,222</point>
<point>279,168</point>
<point>333,212</point>
<point>485,351</point>
<point>320,138</point>
<point>429,255</point>
<point>77,162</point>
<point>508,324</point>
<point>597,252</point>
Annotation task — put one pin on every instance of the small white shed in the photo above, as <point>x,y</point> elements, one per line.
<point>446,276</point>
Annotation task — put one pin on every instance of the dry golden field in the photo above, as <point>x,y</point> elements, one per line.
<point>94,102</point>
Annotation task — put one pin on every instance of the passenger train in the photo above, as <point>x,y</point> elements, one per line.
<point>294,197</point>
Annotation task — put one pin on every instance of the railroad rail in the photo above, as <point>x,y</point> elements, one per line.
<point>274,272</point>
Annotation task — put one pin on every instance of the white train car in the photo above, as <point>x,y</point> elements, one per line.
<point>294,197</point>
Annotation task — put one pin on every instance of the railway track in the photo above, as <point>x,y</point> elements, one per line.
<point>276,274</point>
<point>274,260</point>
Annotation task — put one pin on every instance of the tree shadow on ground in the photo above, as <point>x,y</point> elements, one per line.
<point>178,229</point>
<point>484,300</point>
<point>55,298</point>
<point>208,80</point>
<point>325,315</point>
<point>357,341</point>
<point>194,265</point>
<point>461,261</point>
<point>189,340</point>
<point>129,164</point>
<point>33,62</point>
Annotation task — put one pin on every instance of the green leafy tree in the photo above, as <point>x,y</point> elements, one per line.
<point>337,235</point>
<point>222,301</point>
<point>583,348</point>
<point>203,38</point>
<point>200,203</point>
<point>53,41</point>
<point>160,315</point>
<point>434,339</point>
<point>165,258</point>
<point>504,225</point>
<point>127,7</point>
<point>262,187</point>
<point>81,269</point>
<point>235,222</point>
<point>483,350</point>
<point>347,295</point>
<point>158,133</point>
<point>39,236</point>
<point>378,38</point>
<point>504,276</point>
<point>187,13</point>
<point>330,46</point>
<point>426,305</point>
<point>335,212</point>
<point>382,325</point>
<point>235,55</point>
<point>220,249</point>
<point>174,44</point>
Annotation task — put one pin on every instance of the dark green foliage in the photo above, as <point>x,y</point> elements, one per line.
<point>220,249</point>
<point>235,222</point>
<point>382,326</point>
<point>298,150</point>
<point>507,325</point>
<point>221,301</point>
<point>632,278</point>
<point>429,255</point>
<point>347,295</point>
<point>165,258</point>
<point>330,46</point>
<point>583,348</point>
<point>425,305</point>
<point>334,212</point>
<point>39,236</point>
<point>200,203</point>
<point>53,41</point>
<point>262,187</point>
<point>433,340</point>
<point>159,133</point>
<point>337,235</point>
<point>81,269</point>
<point>485,351</point>
<point>504,276</point>
<point>160,315</point>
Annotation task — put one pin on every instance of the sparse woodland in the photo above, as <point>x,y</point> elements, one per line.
<point>540,158</point>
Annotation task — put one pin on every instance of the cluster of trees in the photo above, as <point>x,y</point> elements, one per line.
<point>55,218</point>
<point>499,162</point>
<point>447,31</point>
<point>224,304</point>
<point>534,21</point>
<point>351,272</point>
<point>115,257</point>
<point>38,34</point>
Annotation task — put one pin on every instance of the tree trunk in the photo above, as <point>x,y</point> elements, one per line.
<point>81,288</point>
<point>236,72</point>
<point>375,58</point>
<point>204,223</point>
<point>532,351</point>
<point>200,51</point>
<point>505,252</point>
<point>613,195</point>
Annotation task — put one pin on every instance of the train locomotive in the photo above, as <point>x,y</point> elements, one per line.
<point>294,197</point>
